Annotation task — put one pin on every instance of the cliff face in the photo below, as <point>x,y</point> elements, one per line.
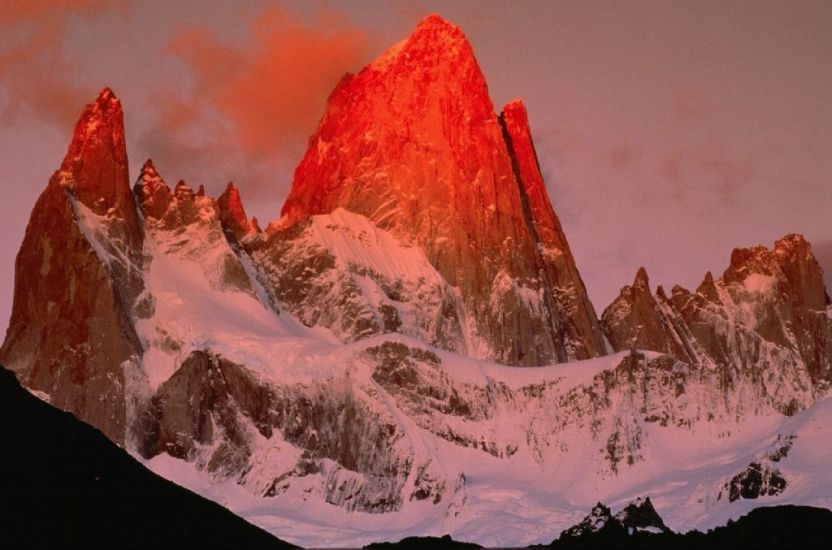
<point>413,143</point>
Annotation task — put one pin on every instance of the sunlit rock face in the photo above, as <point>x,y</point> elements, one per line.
<point>412,142</point>
<point>769,313</point>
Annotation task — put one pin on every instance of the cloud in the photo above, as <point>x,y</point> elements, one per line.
<point>36,78</point>
<point>253,102</point>
<point>705,169</point>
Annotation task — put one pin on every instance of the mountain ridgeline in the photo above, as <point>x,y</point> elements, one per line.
<point>347,353</point>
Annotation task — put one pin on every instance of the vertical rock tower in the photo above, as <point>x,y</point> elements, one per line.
<point>413,143</point>
<point>71,334</point>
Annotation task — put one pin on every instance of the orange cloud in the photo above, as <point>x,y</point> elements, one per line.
<point>252,103</point>
<point>273,91</point>
<point>34,73</point>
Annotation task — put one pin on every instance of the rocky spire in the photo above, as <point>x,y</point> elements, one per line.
<point>95,168</point>
<point>795,258</point>
<point>642,282</point>
<point>233,214</point>
<point>637,319</point>
<point>152,193</point>
<point>412,142</point>
<point>707,288</point>
<point>578,314</point>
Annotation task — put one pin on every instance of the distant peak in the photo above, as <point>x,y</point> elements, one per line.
<point>106,94</point>
<point>233,214</point>
<point>183,192</point>
<point>148,168</point>
<point>641,278</point>
<point>151,191</point>
<point>436,23</point>
<point>793,241</point>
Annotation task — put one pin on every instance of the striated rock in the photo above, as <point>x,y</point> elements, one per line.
<point>443,176</point>
<point>578,322</point>
<point>217,414</point>
<point>341,272</point>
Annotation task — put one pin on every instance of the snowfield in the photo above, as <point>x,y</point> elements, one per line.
<point>527,453</point>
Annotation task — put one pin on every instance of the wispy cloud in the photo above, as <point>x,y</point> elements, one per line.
<point>35,75</point>
<point>259,98</point>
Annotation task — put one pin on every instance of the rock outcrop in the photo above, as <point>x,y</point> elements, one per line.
<point>233,214</point>
<point>769,313</point>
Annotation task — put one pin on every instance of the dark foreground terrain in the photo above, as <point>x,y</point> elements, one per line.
<point>776,527</point>
<point>418,543</point>
<point>64,485</point>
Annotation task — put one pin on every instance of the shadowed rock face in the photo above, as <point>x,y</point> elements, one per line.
<point>233,214</point>
<point>65,485</point>
<point>213,412</point>
<point>413,143</point>
<point>769,310</point>
<point>71,332</point>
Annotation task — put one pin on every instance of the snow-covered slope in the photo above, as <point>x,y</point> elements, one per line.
<point>504,480</point>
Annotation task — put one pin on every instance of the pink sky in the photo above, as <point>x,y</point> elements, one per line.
<point>668,132</point>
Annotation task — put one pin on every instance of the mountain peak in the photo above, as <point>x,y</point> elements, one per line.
<point>95,167</point>
<point>106,95</point>
<point>435,47</point>
<point>148,169</point>
<point>641,280</point>
<point>413,143</point>
<point>438,30</point>
<point>152,193</point>
<point>101,125</point>
<point>232,213</point>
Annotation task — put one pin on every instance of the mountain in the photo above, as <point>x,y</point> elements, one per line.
<point>353,373</point>
<point>412,143</point>
<point>65,485</point>
<point>768,314</point>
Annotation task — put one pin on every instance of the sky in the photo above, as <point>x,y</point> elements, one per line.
<point>669,132</point>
